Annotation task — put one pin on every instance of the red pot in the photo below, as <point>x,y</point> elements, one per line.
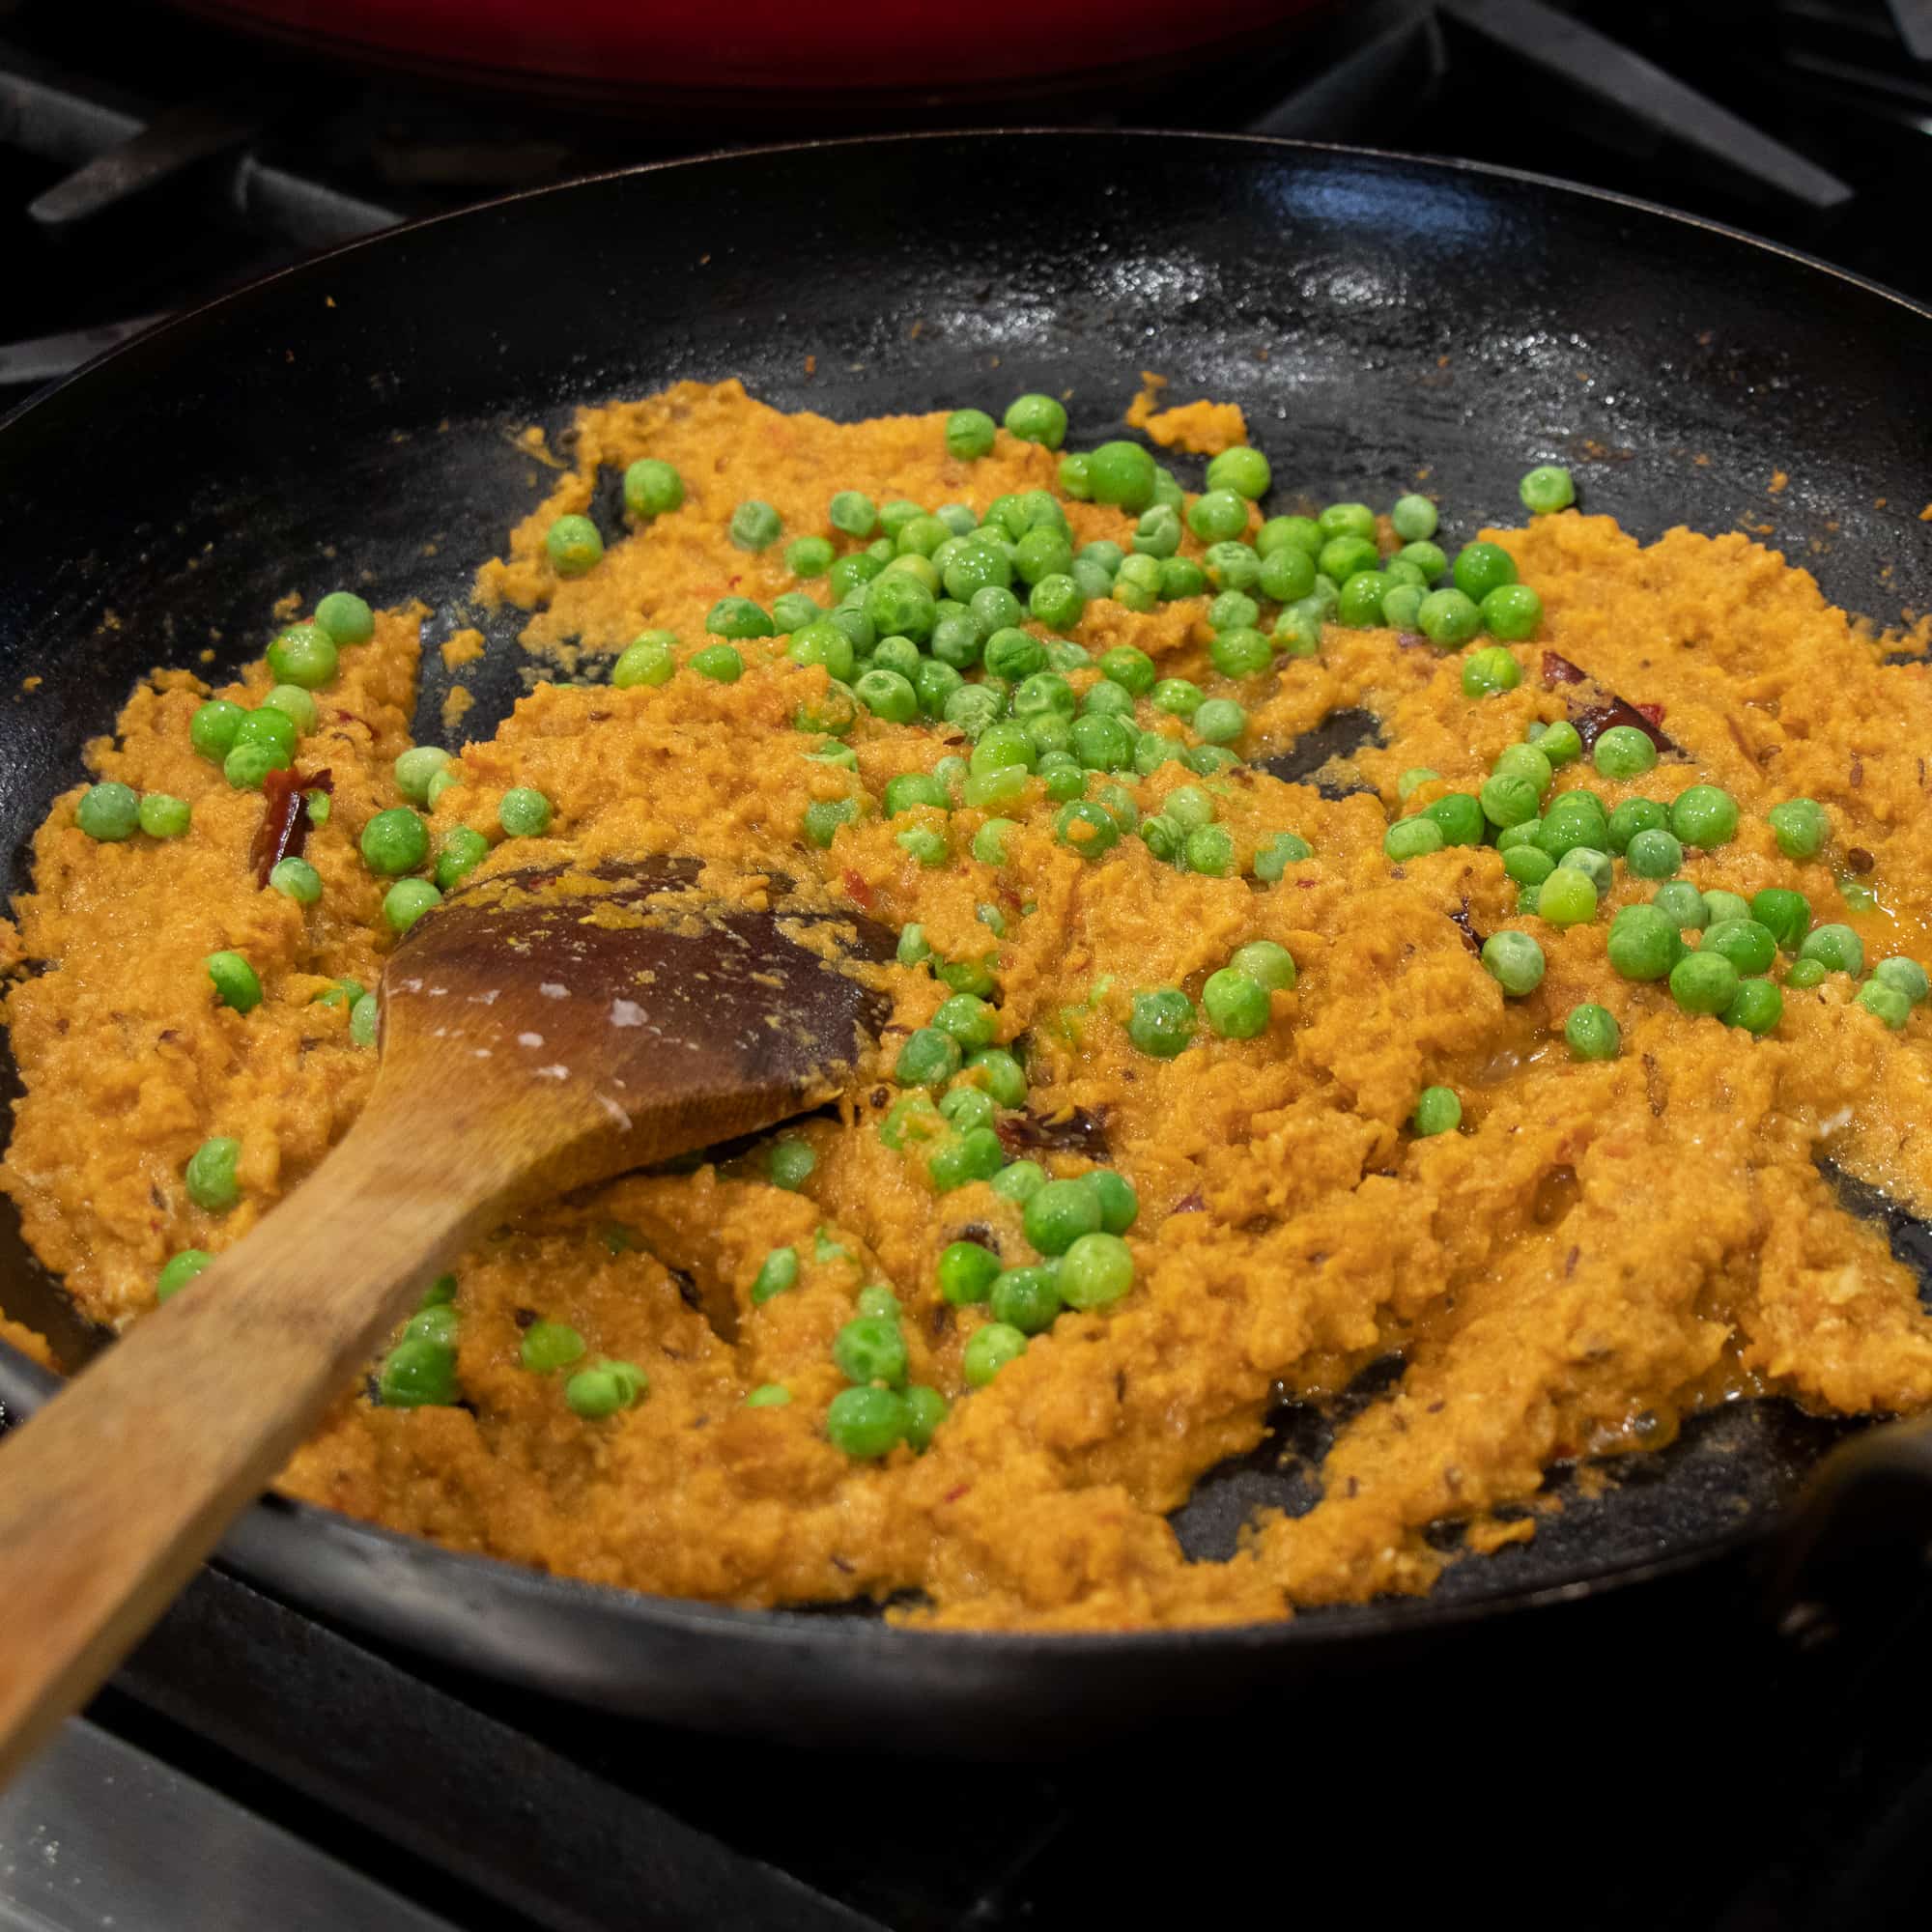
<point>853,48</point>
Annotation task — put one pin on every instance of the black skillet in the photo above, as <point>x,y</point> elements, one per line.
<point>353,420</point>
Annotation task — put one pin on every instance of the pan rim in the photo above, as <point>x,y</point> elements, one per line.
<point>1261,143</point>
<point>24,1385</point>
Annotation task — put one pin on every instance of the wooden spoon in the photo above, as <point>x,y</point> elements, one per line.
<point>540,1030</point>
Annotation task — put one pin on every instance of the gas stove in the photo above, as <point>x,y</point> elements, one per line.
<point>1669,1759</point>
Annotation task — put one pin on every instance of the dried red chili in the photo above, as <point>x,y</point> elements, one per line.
<point>285,818</point>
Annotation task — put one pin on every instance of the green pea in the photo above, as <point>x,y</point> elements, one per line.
<point>1410,838</point>
<point>967,1273</point>
<point>1632,816</point>
<point>1643,943</point>
<point>1020,1181</point>
<point>1546,489</point>
<point>574,546</point>
<point>1623,752</point>
<point>1751,948</point>
<point>871,1350</point>
<point>1060,1213</point>
<point>415,767</point>
<point>1525,762</point>
<point>1683,904</point>
<point>605,1388</point>
<point>1785,915</point>
<point>1036,418</point>
<point>1437,1111</point>
<point>1242,469</point>
<point>1218,516</point>
<point>235,982</point>
<point>1237,1006</point>
<point>524,812</point>
<point>1835,947</point>
<point>929,1057</point>
<point>298,880</point>
<point>970,435</point>
<point>969,976</point>
<point>418,1373</point>
<point>1401,606</point>
<point>1057,600</point>
<point>407,900</point>
<point>1180,576</point>
<point>777,1274</point>
<point>303,655</point>
<point>1481,568</point>
<point>1703,983</point>
<point>1346,519</point>
<point>346,618</point>
<point>867,1423</point>
<point>1302,533</point>
<point>1231,566</point>
<point>1514,960</point>
<point>754,526</point>
<point>854,513</point>
<point>1361,602</point>
<point>790,1163</point>
<point>394,841</point>
<point>769,1395</point>
<point>179,1271</point>
<point>1654,855</point>
<point>1448,618</point>
<point>1756,1007</point>
<point>1512,612</point>
<point>1427,557</point>
<point>210,1175</point>
<point>1026,1299</point>
<point>108,812</point>
<point>294,705</point>
<point>1560,743</point>
<point>1287,574</point>
<point>1528,865</point>
<point>652,488</point>
<point>1507,800</point>
<point>1490,672</point>
<point>1887,1002</point>
<point>1220,721</point>
<point>968,1108</point>
<point>1800,827</point>
<point>1904,975</point>
<point>1567,897</point>
<point>719,663</point>
<point>547,1346</point>
<point>1209,851</point>
<point>989,1350</point>
<point>968,1019</point>
<point>1592,1033</point>
<point>1162,1023</point>
<point>1460,816</point>
<point>926,1409</point>
<point>1805,973</point>
<point>363,1016</point>
<point>1086,828</point>
<point>1704,815</point>
<point>213,727</point>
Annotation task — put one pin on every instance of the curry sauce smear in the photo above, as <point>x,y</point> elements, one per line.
<point>1602,1247</point>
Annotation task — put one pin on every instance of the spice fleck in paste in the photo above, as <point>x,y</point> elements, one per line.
<point>1591,1246</point>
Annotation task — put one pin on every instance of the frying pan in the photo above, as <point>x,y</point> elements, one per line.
<point>353,419</point>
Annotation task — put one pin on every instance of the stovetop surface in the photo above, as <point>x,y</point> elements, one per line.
<point>1669,1764</point>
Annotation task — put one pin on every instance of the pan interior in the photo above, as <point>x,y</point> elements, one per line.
<point>362,421</point>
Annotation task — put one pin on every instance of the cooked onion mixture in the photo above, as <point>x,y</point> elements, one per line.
<point>1320,940</point>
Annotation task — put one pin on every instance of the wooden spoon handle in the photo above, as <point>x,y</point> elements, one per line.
<point>111,1496</point>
